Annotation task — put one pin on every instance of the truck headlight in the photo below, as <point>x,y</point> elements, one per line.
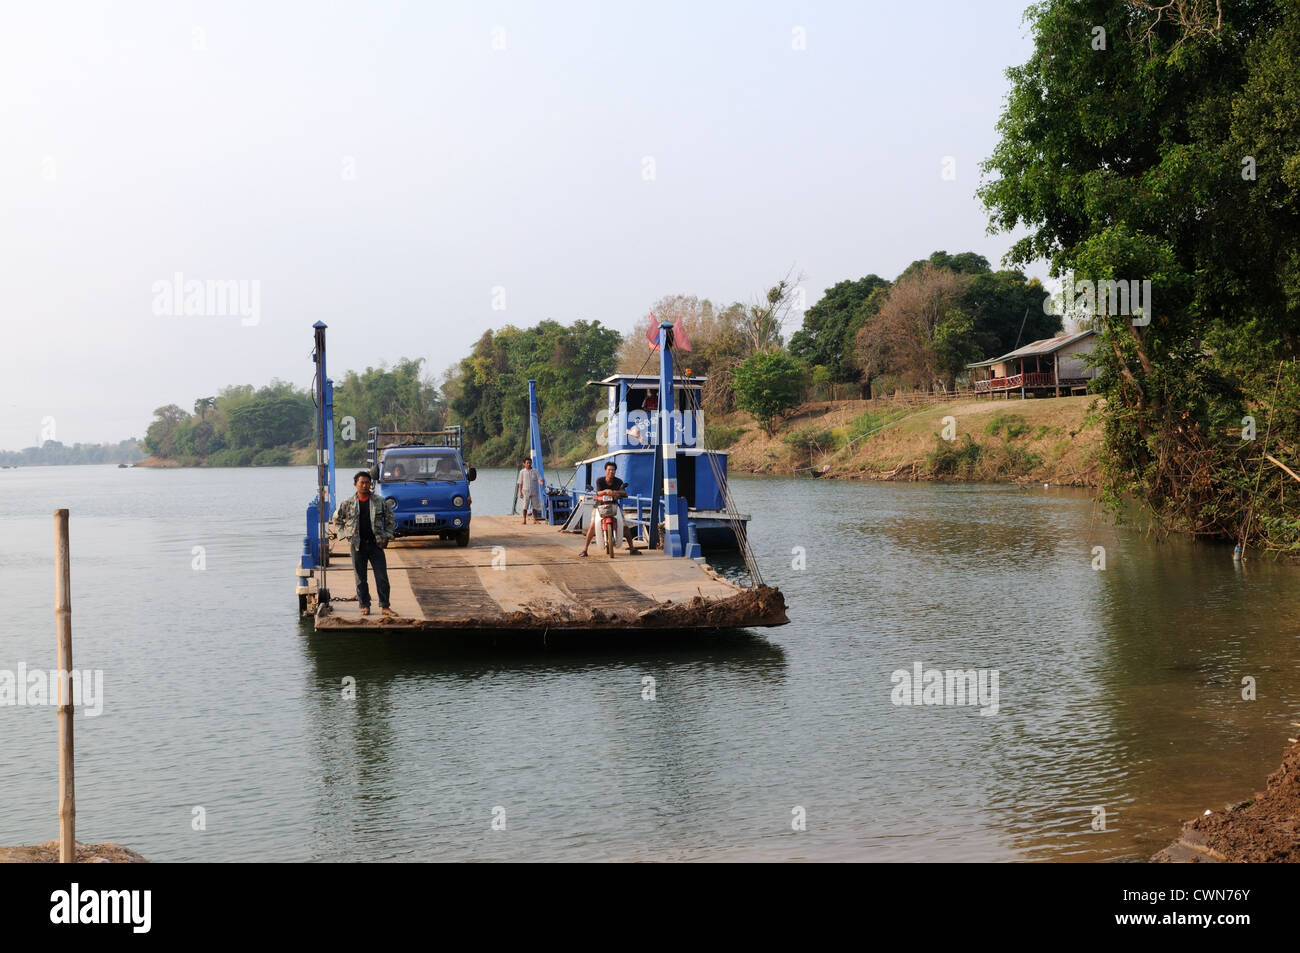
<point>458,500</point>
<point>456,521</point>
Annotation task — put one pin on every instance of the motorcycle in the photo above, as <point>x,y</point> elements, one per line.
<point>607,510</point>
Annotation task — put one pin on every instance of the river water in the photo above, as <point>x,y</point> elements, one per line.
<point>225,734</point>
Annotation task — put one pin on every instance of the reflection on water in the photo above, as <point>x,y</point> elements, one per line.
<point>526,732</point>
<point>1120,689</point>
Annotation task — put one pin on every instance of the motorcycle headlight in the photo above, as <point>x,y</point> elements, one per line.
<point>458,500</point>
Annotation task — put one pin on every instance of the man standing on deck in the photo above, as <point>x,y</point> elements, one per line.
<point>611,484</point>
<point>529,494</point>
<point>367,522</point>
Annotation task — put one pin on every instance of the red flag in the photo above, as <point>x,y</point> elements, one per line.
<point>680,340</point>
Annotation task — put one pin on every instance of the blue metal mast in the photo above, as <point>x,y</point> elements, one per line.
<point>324,446</point>
<point>674,512</point>
<point>535,447</point>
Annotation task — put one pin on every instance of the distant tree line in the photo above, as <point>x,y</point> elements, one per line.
<point>919,331</point>
<point>863,335</point>
<point>242,426</point>
<point>54,453</point>
<point>487,391</point>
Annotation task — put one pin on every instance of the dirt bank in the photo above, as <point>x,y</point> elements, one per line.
<point>1045,441</point>
<point>48,853</point>
<point>1265,829</point>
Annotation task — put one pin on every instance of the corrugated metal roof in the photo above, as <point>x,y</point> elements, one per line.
<point>1037,348</point>
<point>637,379</point>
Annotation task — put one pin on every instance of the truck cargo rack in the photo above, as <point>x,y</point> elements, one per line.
<point>377,440</point>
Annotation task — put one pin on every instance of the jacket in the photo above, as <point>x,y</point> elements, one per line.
<point>382,521</point>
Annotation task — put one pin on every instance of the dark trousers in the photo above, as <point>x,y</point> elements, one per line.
<point>369,551</point>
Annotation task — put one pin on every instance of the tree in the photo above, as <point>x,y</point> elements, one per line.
<point>831,325</point>
<point>764,321</point>
<point>159,438</point>
<point>921,333</point>
<point>767,383</point>
<point>1006,312</point>
<point>490,398</point>
<point>1171,156</point>
<point>963,263</point>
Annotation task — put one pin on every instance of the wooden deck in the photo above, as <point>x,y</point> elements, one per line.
<point>515,577</point>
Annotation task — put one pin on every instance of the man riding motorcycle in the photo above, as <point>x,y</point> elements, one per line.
<point>610,486</point>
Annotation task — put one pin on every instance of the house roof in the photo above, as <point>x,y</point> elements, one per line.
<point>1037,348</point>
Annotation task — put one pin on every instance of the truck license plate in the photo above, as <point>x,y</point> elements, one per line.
<point>426,517</point>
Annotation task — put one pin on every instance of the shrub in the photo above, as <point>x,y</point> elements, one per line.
<point>810,440</point>
<point>766,384</point>
<point>720,437</point>
<point>953,457</point>
<point>231,458</point>
<point>1014,425</point>
<point>1013,461</point>
<point>272,457</point>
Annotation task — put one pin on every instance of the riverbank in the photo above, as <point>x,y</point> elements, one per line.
<point>1265,829</point>
<point>283,457</point>
<point>1055,441</point>
<point>48,853</point>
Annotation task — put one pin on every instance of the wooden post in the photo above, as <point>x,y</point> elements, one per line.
<point>63,620</point>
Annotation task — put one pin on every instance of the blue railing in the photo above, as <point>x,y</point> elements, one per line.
<point>642,503</point>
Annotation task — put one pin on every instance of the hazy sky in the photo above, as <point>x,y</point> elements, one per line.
<point>384,167</point>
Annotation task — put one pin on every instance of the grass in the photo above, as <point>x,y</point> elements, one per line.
<point>811,440</point>
<point>958,457</point>
<point>722,437</point>
<point>1050,440</point>
<point>869,422</point>
<point>1013,425</point>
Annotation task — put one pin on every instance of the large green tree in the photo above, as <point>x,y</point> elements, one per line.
<point>831,325</point>
<point>491,387</point>
<point>767,383</point>
<point>1005,308</point>
<point>1157,142</point>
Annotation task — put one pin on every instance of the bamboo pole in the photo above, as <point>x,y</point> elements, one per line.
<point>1279,463</point>
<point>63,620</point>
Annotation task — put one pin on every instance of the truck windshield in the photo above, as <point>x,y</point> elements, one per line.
<point>442,467</point>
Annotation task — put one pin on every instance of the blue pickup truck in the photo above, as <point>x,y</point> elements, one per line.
<point>425,477</point>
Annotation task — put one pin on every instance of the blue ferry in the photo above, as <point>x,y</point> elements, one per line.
<point>654,435</point>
